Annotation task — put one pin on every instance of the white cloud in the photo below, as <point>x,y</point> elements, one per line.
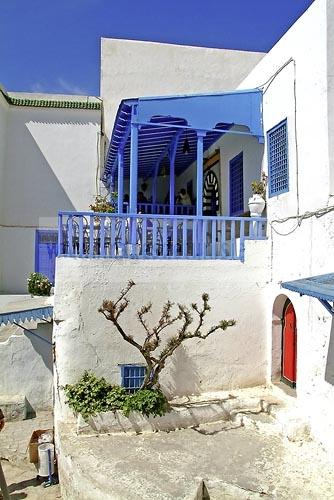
<point>70,88</point>
<point>37,87</point>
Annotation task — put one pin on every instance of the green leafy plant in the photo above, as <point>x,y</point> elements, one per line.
<point>102,205</point>
<point>92,395</point>
<point>39,284</point>
<point>146,401</point>
<point>258,187</point>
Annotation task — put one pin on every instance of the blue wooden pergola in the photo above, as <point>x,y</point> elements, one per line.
<point>149,134</point>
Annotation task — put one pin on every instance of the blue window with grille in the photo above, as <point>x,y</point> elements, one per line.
<point>237,185</point>
<point>46,249</point>
<point>132,376</point>
<point>278,167</point>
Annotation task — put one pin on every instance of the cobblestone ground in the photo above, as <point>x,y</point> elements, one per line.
<point>20,474</point>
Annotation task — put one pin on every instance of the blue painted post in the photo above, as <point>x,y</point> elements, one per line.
<point>133,177</point>
<point>171,182</point>
<point>120,182</point>
<point>60,235</point>
<point>134,168</point>
<point>199,189</point>
<point>199,173</point>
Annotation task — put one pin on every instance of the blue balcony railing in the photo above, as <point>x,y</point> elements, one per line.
<point>145,236</point>
<point>161,208</point>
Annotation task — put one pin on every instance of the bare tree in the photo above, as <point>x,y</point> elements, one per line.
<point>112,311</point>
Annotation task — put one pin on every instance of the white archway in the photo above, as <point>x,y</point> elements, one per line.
<point>276,343</point>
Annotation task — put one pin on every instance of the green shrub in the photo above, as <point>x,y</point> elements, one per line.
<point>147,402</point>
<point>92,395</point>
<point>39,284</point>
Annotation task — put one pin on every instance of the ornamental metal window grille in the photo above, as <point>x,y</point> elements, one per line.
<point>132,376</point>
<point>237,185</point>
<point>278,168</point>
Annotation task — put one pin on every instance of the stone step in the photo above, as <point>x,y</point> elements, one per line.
<point>13,407</point>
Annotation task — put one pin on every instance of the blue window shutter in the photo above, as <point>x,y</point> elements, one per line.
<point>46,250</point>
<point>237,185</point>
<point>132,376</point>
<point>278,167</point>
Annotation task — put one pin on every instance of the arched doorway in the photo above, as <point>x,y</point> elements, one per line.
<point>284,341</point>
<point>289,346</point>
<point>211,194</point>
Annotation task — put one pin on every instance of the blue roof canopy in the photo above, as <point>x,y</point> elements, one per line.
<point>320,287</point>
<point>40,313</point>
<point>161,119</point>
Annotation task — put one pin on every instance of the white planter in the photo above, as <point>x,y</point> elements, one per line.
<point>256,205</point>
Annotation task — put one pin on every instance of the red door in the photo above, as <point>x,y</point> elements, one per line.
<point>289,354</point>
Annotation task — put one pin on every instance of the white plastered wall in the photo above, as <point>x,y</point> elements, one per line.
<point>132,68</point>
<point>51,164</point>
<point>26,365</point>
<point>85,340</point>
<point>330,82</point>
<point>3,133</point>
<point>304,249</point>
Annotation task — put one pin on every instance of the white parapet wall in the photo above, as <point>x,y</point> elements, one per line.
<point>86,340</point>
<point>133,68</point>
<point>26,366</point>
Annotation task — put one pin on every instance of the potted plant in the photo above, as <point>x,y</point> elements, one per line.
<point>103,206</point>
<point>256,203</point>
<point>39,284</point>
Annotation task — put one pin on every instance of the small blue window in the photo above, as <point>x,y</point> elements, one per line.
<point>237,185</point>
<point>132,376</point>
<point>278,168</point>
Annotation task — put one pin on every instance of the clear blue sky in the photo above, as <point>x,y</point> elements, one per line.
<point>54,45</point>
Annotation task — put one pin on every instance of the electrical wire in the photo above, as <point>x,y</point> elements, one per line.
<point>300,218</point>
<point>273,76</point>
<point>264,87</point>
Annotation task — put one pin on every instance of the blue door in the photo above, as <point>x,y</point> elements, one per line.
<point>237,185</point>
<point>46,249</point>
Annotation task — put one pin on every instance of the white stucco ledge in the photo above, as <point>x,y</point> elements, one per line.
<point>185,412</point>
<point>223,459</point>
<point>13,303</point>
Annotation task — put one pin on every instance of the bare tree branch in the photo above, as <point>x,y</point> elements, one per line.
<point>154,365</point>
<point>140,314</point>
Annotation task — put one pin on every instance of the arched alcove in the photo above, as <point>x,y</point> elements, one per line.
<point>279,306</point>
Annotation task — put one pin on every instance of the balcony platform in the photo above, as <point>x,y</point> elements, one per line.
<point>147,236</point>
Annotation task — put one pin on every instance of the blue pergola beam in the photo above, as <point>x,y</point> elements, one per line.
<point>215,130</point>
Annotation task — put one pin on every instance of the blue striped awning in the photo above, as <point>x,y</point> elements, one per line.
<point>41,313</point>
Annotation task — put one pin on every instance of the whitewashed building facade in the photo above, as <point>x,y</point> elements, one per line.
<point>294,151</point>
